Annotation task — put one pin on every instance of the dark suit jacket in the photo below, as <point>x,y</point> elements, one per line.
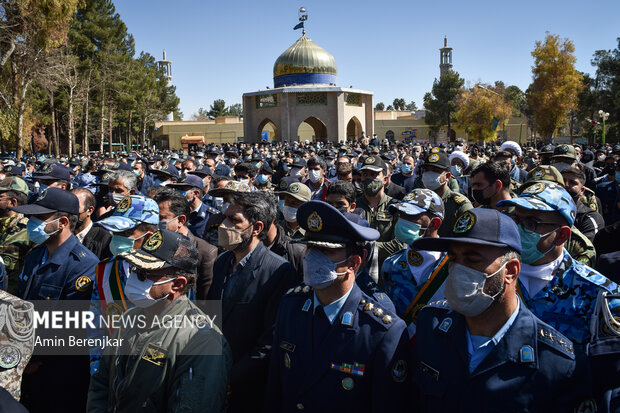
<point>98,242</point>
<point>395,191</point>
<point>248,319</point>
<point>206,258</point>
<point>293,253</point>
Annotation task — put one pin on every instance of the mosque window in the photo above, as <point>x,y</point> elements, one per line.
<point>266,101</point>
<point>312,99</point>
<point>353,99</point>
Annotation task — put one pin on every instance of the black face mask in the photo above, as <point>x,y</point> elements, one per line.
<point>574,195</point>
<point>480,198</point>
<point>342,210</point>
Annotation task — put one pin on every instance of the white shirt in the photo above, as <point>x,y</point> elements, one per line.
<point>82,234</point>
<point>535,277</point>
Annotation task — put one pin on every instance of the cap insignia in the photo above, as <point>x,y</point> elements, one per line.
<point>433,158</point>
<point>40,197</point>
<point>283,185</point>
<point>293,189</point>
<point>538,172</point>
<point>124,205</point>
<point>435,150</point>
<point>410,196</point>
<point>464,223</point>
<point>153,242</point>
<point>537,188</point>
<point>315,223</point>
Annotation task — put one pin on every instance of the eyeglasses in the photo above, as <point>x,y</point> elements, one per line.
<point>531,224</point>
<point>143,275</point>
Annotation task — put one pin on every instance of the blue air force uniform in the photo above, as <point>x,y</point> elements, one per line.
<point>361,364</point>
<point>350,355</point>
<point>531,368</point>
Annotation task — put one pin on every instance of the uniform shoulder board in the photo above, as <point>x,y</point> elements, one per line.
<point>376,312</point>
<point>443,304</point>
<point>301,288</point>
<point>459,199</point>
<point>552,338</point>
<point>595,277</point>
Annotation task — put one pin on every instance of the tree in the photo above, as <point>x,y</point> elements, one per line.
<point>218,108</point>
<point>411,106</point>
<point>441,103</point>
<point>234,110</point>
<point>516,97</point>
<point>390,107</point>
<point>399,104</point>
<point>380,106</point>
<point>202,114</point>
<point>555,85</point>
<point>477,108</point>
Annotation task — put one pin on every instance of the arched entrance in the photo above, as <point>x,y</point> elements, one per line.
<point>354,129</point>
<point>267,129</point>
<point>312,129</point>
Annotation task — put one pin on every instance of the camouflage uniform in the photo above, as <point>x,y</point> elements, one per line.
<point>581,248</point>
<point>383,221</point>
<point>14,245</point>
<point>455,205</point>
<point>590,200</point>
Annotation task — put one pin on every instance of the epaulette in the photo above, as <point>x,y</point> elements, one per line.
<point>302,288</point>
<point>459,199</point>
<point>553,339</point>
<point>212,210</point>
<point>443,304</point>
<point>374,311</point>
<point>595,277</point>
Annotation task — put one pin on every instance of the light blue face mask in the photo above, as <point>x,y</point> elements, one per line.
<point>456,170</point>
<point>120,244</point>
<point>529,245</point>
<point>36,230</point>
<point>281,205</point>
<point>262,179</point>
<point>406,231</point>
<point>405,168</point>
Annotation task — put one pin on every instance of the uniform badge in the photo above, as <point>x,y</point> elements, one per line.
<point>293,189</point>
<point>534,189</point>
<point>399,371</point>
<point>347,319</point>
<point>153,242</point>
<point>378,312</point>
<point>43,193</point>
<point>370,160</point>
<point>435,150</point>
<point>415,258</point>
<point>539,172</point>
<point>433,158</point>
<point>155,355</point>
<point>297,289</point>
<point>287,361</point>
<point>429,370</point>
<point>526,354</point>
<point>464,223</point>
<point>386,319</point>
<point>307,305</point>
<point>10,356</point>
<point>124,205</point>
<point>283,185</point>
<point>315,223</point>
<point>368,306</point>
<point>445,324</point>
<point>306,289</point>
<point>409,196</point>
<point>347,383</point>
<point>82,283</point>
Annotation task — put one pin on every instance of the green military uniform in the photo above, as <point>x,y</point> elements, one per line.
<point>293,233</point>
<point>164,369</point>
<point>14,245</point>
<point>455,205</point>
<point>581,248</point>
<point>383,221</point>
<point>590,200</point>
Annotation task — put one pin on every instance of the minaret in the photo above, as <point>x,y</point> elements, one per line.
<point>445,58</point>
<point>166,66</point>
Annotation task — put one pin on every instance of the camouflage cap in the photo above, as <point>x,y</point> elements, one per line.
<point>418,201</point>
<point>13,183</point>
<point>130,212</point>
<point>230,187</point>
<point>297,190</point>
<point>565,151</point>
<point>545,196</point>
<point>542,173</point>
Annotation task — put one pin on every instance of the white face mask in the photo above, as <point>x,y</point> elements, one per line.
<point>115,198</point>
<point>431,180</point>
<point>138,291</point>
<point>464,290</point>
<point>315,176</point>
<point>290,213</point>
<point>319,270</point>
<point>296,172</point>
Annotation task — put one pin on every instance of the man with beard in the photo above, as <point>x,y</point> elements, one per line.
<point>490,183</point>
<point>588,221</point>
<point>250,280</point>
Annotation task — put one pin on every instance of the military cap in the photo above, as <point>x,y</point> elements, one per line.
<point>297,190</point>
<point>545,196</point>
<point>587,156</point>
<point>542,173</point>
<point>326,227</point>
<point>51,200</point>
<point>190,180</point>
<point>438,159</point>
<point>199,155</point>
<point>329,155</point>
<point>202,172</point>
<point>565,151</point>
<point>480,226</point>
<point>170,170</point>
<point>14,170</point>
<point>229,188</point>
<point>55,172</point>
<point>418,201</point>
<point>299,163</point>
<point>547,149</point>
<point>13,183</point>
<point>130,212</point>
<point>375,164</point>
<point>265,169</point>
<point>165,249</point>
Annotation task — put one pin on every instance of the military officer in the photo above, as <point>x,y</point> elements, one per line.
<point>436,177</point>
<point>335,348</point>
<point>483,350</point>
<point>414,278</point>
<point>557,288</point>
<point>182,367</point>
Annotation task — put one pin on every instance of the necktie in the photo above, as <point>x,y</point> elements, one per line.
<point>321,326</point>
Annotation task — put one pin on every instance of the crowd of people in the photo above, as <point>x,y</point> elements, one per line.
<point>368,276</point>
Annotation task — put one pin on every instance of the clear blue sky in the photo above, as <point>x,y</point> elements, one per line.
<point>223,49</point>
